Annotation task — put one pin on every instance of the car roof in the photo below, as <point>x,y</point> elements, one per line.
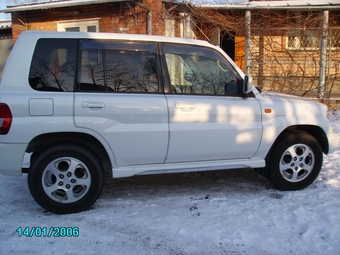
<point>114,36</point>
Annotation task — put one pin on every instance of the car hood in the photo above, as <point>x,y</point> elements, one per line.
<point>292,105</point>
<point>285,96</point>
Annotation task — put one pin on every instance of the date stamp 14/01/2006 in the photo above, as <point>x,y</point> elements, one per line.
<point>48,232</point>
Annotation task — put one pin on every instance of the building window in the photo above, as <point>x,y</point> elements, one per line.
<point>79,26</point>
<point>334,38</point>
<point>170,27</point>
<point>305,30</point>
<point>303,39</point>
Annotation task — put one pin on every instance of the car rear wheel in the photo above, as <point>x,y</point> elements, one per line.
<point>65,178</point>
<point>295,162</point>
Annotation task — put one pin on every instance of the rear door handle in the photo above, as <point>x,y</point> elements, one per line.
<point>92,105</point>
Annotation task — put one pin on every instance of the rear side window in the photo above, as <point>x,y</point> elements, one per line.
<point>53,65</point>
<point>118,67</point>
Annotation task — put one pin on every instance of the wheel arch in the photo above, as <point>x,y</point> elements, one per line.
<point>314,131</point>
<point>89,142</point>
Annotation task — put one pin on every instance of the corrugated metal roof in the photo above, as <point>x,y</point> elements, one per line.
<point>276,5</point>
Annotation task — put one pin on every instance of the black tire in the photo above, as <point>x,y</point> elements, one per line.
<point>295,162</point>
<point>66,178</point>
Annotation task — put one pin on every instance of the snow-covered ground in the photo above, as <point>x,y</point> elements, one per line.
<point>222,212</point>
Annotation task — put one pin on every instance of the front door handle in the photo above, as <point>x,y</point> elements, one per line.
<point>92,105</point>
<point>185,106</point>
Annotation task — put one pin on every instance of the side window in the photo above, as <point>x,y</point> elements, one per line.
<point>129,71</point>
<point>53,65</point>
<point>198,70</point>
<point>92,70</point>
<point>118,67</point>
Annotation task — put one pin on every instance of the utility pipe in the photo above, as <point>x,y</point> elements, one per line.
<point>323,54</point>
<point>149,18</point>
<point>247,43</point>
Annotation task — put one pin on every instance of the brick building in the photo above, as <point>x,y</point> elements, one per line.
<point>155,17</point>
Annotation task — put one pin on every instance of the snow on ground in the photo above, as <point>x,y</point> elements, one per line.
<point>222,212</point>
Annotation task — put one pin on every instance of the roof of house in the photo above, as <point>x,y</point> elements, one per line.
<point>61,3</point>
<point>254,5</point>
<point>277,5</point>
<point>54,4</point>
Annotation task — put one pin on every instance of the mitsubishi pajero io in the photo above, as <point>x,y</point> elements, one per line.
<point>86,106</point>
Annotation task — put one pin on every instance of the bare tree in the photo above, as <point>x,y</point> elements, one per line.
<point>285,47</point>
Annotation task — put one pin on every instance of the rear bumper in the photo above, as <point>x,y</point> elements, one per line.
<point>11,157</point>
<point>333,142</point>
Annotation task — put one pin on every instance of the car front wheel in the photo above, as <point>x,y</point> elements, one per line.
<point>295,162</point>
<point>65,178</point>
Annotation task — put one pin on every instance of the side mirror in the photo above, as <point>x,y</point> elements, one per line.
<point>247,84</point>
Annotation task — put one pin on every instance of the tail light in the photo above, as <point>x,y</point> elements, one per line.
<point>5,119</point>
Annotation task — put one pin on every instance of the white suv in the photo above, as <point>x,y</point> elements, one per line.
<point>91,105</point>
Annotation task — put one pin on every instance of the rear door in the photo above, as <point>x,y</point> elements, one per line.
<point>119,98</point>
<point>208,117</point>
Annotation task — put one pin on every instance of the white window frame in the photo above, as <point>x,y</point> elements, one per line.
<point>82,24</point>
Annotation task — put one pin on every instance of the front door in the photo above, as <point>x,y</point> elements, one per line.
<point>208,117</point>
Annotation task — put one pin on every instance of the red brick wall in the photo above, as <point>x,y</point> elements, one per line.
<point>123,17</point>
